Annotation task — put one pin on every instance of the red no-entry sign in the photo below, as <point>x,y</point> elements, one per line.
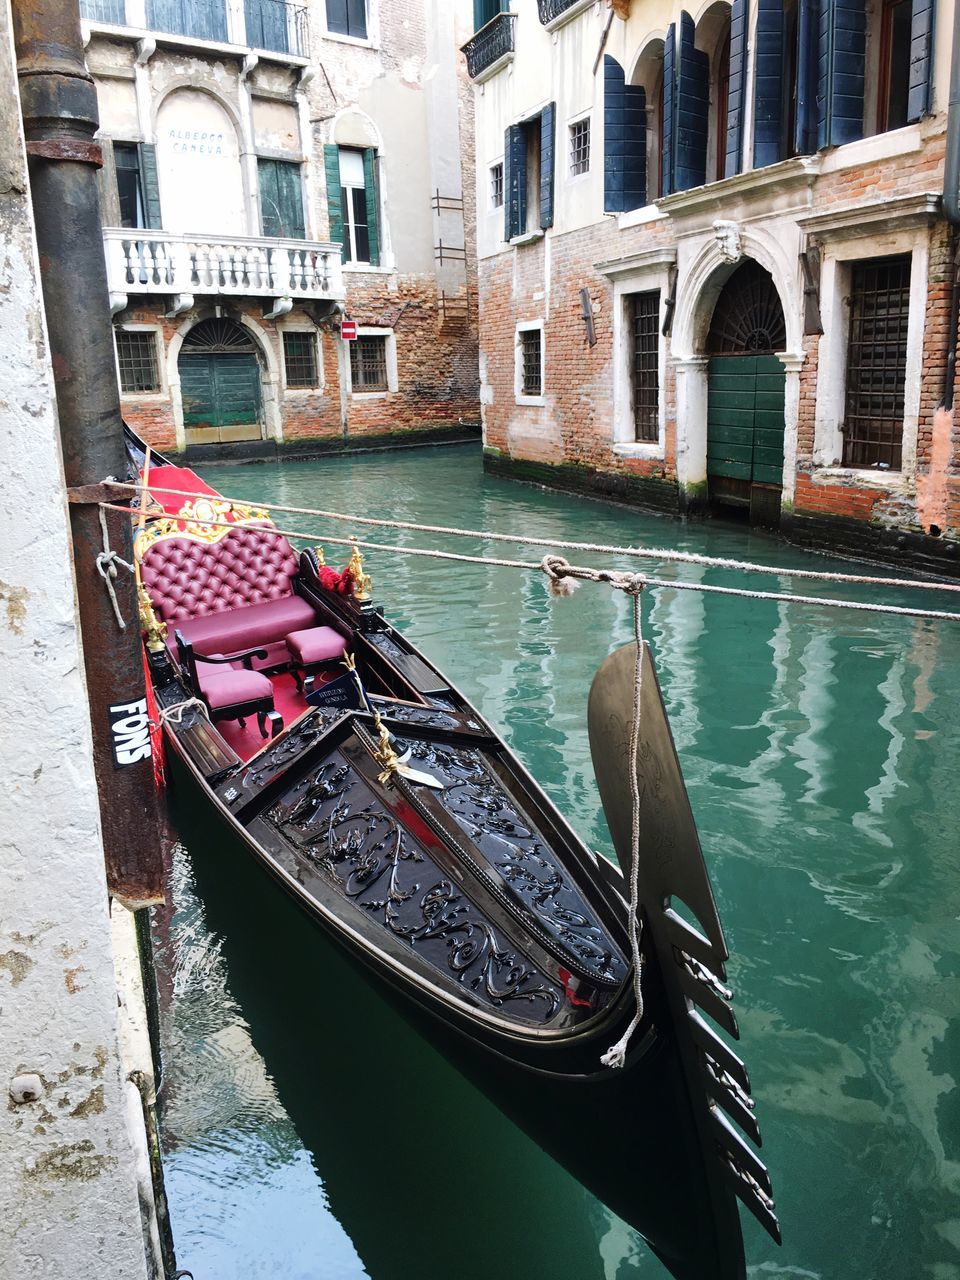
<point>348,330</point>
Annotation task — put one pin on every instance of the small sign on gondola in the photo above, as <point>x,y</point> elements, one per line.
<point>130,732</point>
<point>348,330</point>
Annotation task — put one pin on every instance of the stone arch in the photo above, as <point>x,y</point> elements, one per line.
<point>267,357</point>
<point>204,186</point>
<point>351,127</point>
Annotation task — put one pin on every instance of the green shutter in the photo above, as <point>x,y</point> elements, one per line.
<point>107,182</point>
<point>269,197</point>
<point>372,188</point>
<point>331,163</point>
<point>151,186</point>
<point>290,188</point>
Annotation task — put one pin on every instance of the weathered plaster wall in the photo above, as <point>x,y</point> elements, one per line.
<point>68,1194</point>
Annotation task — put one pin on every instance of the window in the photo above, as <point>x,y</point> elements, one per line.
<point>281,199</point>
<point>580,147</point>
<point>353,202</point>
<point>644,318</point>
<point>137,360</point>
<point>202,19</point>
<point>277,25</point>
<point>496,186</point>
<point>368,363</point>
<point>531,362</point>
<point>137,189</point>
<point>347,18</point>
<point>528,174</point>
<point>894,78</point>
<point>876,363</point>
<point>300,359</point>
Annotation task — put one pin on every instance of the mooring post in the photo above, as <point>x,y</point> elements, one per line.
<point>59,106</point>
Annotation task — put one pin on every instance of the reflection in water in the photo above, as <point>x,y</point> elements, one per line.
<point>313,1135</point>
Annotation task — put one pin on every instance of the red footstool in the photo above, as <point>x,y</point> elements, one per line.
<point>313,649</point>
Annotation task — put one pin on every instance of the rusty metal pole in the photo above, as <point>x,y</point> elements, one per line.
<point>59,106</point>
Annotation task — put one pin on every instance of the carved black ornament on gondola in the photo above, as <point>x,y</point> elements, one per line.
<point>372,860</point>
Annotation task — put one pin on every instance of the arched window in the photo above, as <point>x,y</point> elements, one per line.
<point>713,39</point>
<point>648,75</point>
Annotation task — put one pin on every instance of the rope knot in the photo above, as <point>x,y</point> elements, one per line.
<point>634,584</point>
<point>558,572</point>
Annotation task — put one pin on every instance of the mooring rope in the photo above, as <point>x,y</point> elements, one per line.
<point>610,576</point>
<point>175,712</point>
<point>107,561</point>
<point>647,553</point>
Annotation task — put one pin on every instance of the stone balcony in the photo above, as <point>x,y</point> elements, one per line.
<point>182,267</point>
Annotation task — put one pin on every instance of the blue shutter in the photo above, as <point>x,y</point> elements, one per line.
<point>613,98</point>
<point>841,68</point>
<point>669,95</point>
<point>548,129</point>
<point>805,127</point>
<point>514,182</point>
<point>733,161</point>
<point>692,110</point>
<point>635,147</point>
<point>921,40</point>
<point>768,85</point>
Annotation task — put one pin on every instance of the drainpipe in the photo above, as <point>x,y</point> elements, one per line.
<point>59,106</point>
<point>951,207</point>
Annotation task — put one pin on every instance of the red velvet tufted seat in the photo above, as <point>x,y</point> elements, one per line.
<point>236,593</point>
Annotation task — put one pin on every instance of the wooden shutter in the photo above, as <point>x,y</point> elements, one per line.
<point>107,183</point>
<point>842,36</point>
<point>371,188</point>
<point>805,126</point>
<point>691,111</point>
<point>668,124</point>
<point>514,182</point>
<point>733,159</point>
<point>548,131</point>
<point>337,20</point>
<point>331,164</point>
<point>624,141</point>
<point>635,146</point>
<point>768,84</point>
<point>266,23</point>
<point>921,40</point>
<point>150,186</point>
<point>290,191</point>
<point>269,197</point>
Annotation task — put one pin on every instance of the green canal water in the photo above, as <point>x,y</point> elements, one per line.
<point>311,1136</point>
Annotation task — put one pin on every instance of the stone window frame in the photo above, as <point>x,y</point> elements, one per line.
<point>837,257</point>
<point>160,351</point>
<point>318,355</point>
<point>372,40</point>
<point>529,326</point>
<point>390,351</point>
<point>642,273</point>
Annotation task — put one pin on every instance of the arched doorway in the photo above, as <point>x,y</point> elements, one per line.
<point>745,396</point>
<point>220,384</point>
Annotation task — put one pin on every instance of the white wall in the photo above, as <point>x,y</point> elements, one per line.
<point>68,1197</point>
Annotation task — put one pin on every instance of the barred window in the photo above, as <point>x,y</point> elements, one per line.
<point>877,363</point>
<point>137,359</point>
<point>580,147</point>
<point>531,362</point>
<point>300,359</point>
<point>368,363</point>
<point>496,186</point>
<point>644,313</point>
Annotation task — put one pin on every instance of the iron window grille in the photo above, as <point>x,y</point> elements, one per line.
<point>137,360</point>
<point>645,337</point>
<point>300,359</point>
<point>368,364</point>
<point>580,147</point>
<point>531,362</point>
<point>877,363</point>
<point>496,186</point>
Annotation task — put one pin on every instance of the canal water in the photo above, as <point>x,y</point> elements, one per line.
<point>311,1136</point>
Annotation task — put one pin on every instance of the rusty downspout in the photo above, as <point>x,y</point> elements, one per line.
<point>59,105</point>
<point>951,207</point>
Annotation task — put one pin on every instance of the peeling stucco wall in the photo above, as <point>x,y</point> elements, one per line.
<point>68,1192</point>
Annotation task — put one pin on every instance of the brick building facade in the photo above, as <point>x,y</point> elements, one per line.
<point>714,269</point>
<point>270,168</point>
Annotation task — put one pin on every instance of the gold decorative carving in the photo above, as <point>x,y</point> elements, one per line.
<point>154,631</point>
<point>362,581</point>
<point>196,522</point>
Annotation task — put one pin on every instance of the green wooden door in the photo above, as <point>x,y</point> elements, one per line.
<point>745,426</point>
<point>221,396</point>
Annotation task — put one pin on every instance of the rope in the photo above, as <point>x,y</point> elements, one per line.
<point>646,553</point>
<point>107,562</point>
<point>616,1055</point>
<point>174,714</point>
<point>612,577</point>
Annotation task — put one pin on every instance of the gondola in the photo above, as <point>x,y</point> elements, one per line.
<point>382,802</point>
